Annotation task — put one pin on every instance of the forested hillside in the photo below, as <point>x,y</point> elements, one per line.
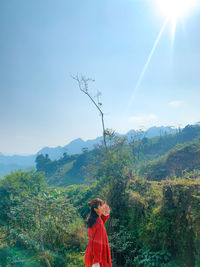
<point>67,170</point>
<point>76,146</point>
<point>184,157</point>
<point>152,158</point>
<point>154,219</point>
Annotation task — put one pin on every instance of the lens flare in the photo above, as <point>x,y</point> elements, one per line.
<point>175,10</point>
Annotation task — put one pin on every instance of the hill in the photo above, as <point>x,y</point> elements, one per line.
<point>153,158</point>
<point>180,159</point>
<point>77,146</point>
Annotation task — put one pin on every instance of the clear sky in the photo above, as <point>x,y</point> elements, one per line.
<point>43,42</point>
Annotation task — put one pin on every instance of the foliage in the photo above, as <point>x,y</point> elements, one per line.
<point>38,220</point>
<point>176,162</point>
<point>148,157</point>
<point>74,259</point>
<point>67,170</point>
<point>148,258</point>
<point>154,220</point>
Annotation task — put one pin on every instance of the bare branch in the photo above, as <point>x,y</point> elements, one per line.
<point>83,86</point>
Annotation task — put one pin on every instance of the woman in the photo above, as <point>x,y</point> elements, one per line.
<point>98,252</point>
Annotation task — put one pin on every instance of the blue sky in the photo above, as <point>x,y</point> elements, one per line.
<point>43,42</point>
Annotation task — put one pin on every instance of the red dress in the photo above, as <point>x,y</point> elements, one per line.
<point>98,250</point>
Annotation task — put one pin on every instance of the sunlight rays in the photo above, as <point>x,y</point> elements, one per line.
<point>147,64</point>
<point>172,10</point>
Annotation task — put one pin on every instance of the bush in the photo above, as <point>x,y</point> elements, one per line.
<point>75,259</point>
<point>148,258</point>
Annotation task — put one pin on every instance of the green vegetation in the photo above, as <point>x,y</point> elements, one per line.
<point>68,169</point>
<point>182,158</point>
<point>154,198</point>
<point>38,226</point>
<point>155,159</point>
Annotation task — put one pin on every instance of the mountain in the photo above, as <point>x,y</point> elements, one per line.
<point>15,162</point>
<point>153,158</point>
<point>8,163</point>
<point>76,146</point>
<point>159,131</point>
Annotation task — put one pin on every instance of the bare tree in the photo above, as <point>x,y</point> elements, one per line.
<point>83,86</point>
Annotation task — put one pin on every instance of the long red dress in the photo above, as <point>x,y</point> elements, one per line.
<point>98,249</point>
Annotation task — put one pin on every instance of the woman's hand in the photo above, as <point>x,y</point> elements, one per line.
<point>106,209</point>
<point>96,265</point>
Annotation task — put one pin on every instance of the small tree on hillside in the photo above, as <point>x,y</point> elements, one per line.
<point>83,86</point>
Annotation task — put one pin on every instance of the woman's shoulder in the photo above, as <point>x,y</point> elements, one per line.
<point>95,226</point>
<point>98,223</point>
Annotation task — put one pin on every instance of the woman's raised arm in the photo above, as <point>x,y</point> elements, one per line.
<point>106,213</point>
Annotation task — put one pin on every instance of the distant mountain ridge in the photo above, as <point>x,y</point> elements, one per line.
<point>14,162</point>
<point>147,155</point>
<point>76,146</point>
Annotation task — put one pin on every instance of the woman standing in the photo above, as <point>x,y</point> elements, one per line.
<point>98,252</point>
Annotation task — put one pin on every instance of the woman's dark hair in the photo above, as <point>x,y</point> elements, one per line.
<point>92,216</point>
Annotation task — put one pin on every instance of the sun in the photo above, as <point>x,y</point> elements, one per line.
<point>174,9</point>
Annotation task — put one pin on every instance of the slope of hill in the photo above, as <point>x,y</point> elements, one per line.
<point>150,149</point>
<point>67,170</point>
<point>15,162</point>
<point>182,158</point>
<point>70,169</point>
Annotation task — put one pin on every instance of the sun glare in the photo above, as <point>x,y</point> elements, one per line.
<point>174,9</point>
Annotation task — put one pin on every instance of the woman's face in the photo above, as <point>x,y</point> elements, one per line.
<point>99,210</point>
